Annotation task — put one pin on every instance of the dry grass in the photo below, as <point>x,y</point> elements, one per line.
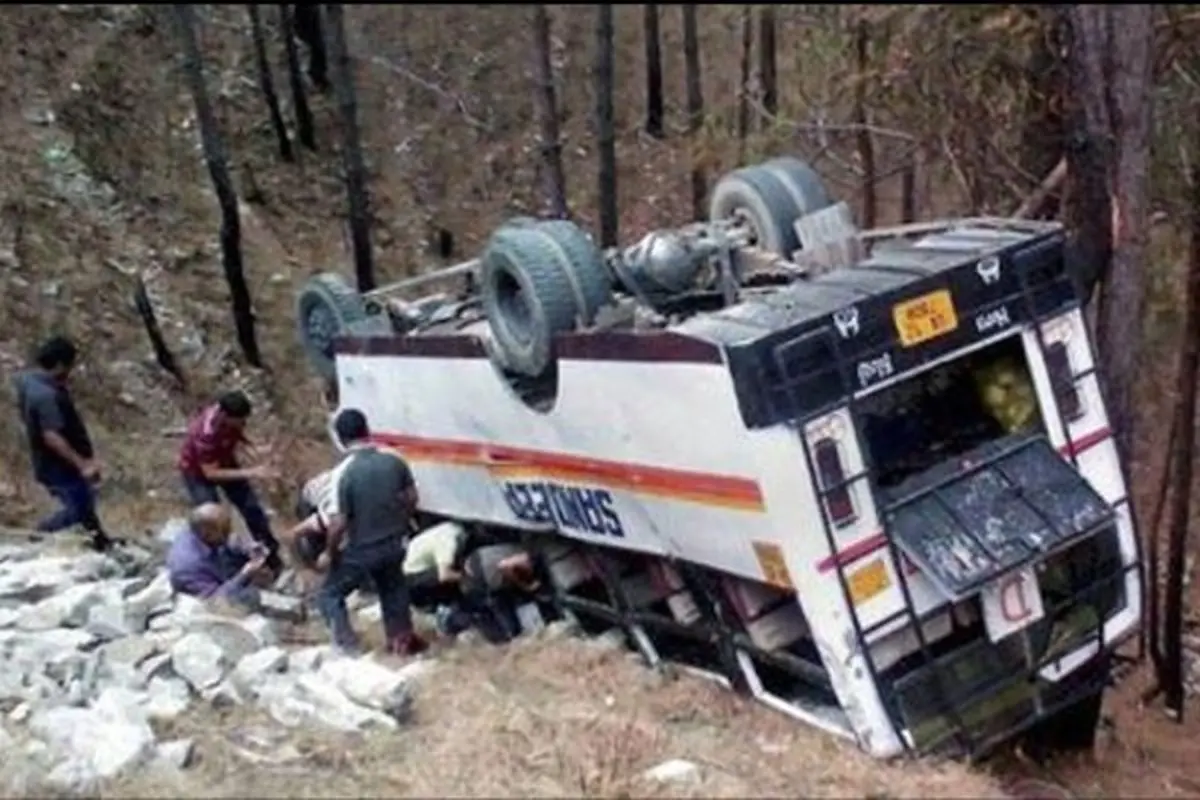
<point>550,719</point>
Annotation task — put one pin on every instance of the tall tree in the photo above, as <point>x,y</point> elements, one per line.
<point>695,106</point>
<point>866,145</point>
<point>766,59</point>
<point>352,156</point>
<point>267,83</point>
<point>547,111</point>
<point>307,19</point>
<point>1171,666</point>
<point>1109,75</point>
<point>605,132</point>
<point>304,119</point>
<point>218,170</point>
<point>654,71</point>
<point>743,115</point>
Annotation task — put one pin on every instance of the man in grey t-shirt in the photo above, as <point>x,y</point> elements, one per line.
<point>376,496</point>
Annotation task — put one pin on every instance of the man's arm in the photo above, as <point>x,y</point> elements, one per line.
<point>345,510</point>
<point>408,486</point>
<point>201,583</point>
<point>215,473</point>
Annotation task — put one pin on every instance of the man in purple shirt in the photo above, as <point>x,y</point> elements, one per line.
<point>204,563</point>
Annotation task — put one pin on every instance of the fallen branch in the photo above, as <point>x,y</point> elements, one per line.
<point>162,353</point>
<point>457,101</point>
<point>1049,185</point>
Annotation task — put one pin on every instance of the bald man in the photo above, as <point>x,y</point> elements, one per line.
<point>204,563</point>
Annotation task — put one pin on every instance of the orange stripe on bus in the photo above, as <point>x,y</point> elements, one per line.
<point>516,463</point>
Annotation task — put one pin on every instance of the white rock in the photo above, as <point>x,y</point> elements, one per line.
<point>199,660</point>
<point>223,695</point>
<point>37,579</point>
<point>98,742</point>
<point>130,650</point>
<point>371,613</point>
<point>233,636</point>
<point>66,609</point>
<point>115,618</point>
<point>176,754</point>
<point>307,659</point>
<point>281,606</point>
<point>293,701</point>
<point>156,666</point>
<point>250,669</point>
<point>369,683</point>
<point>20,713</point>
<point>675,770</point>
<point>156,597</point>
<point>264,630</point>
<point>166,698</point>
<point>9,617</point>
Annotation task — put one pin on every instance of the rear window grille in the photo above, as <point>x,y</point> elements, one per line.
<point>1062,380</point>
<point>832,476</point>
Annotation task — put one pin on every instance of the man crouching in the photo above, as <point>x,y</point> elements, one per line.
<point>376,496</point>
<point>205,564</point>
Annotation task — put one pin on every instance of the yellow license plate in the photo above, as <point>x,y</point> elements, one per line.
<point>925,317</point>
<point>868,581</point>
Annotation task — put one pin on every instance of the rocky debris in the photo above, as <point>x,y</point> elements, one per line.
<point>95,651</point>
<point>674,771</point>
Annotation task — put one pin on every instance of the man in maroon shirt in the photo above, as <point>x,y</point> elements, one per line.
<point>208,462</point>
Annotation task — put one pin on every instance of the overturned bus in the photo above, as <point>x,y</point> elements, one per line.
<point>866,477</point>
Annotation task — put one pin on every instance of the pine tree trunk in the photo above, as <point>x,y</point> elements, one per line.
<point>604,126</point>
<point>654,74</point>
<point>218,170</point>
<point>307,18</point>
<point>1181,473</point>
<point>743,115</point>
<point>547,111</point>
<point>267,83</point>
<point>304,120</point>
<point>352,156</point>
<point>695,107</point>
<point>766,60</point>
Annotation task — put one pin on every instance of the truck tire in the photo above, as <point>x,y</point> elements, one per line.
<point>593,287</point>
<point>802,183</point>
<point>327,307</point>
<point>764,201</point>
<point>528,298</point>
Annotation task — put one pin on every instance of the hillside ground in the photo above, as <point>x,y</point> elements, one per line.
<point>101,179</point>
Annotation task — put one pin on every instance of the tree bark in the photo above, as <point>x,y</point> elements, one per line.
<point>607,174</point>
<point>695,107</point>
<point>218,170</point>
<point>352,157</point>
<point>1181,472</point>
<point>307,18</point>
<point>866,147</point>
<point>654,74</point>
<point>1087,203</point>
<point>268,85</point>
<point>743,117</point>
<point>766,60</point>
<point>547,111</point>
<point>1122,304</point>
<point>304,119</point>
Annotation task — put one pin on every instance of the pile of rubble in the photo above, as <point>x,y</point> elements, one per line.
<point>93,651</point>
